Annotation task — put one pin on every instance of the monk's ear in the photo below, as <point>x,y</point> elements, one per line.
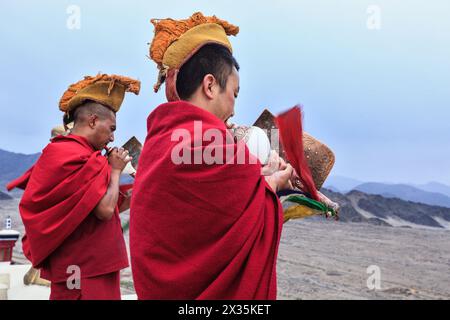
<point>209,86</point>
<point>92,120</point>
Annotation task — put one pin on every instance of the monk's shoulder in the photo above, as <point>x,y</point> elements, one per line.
<point>61,151</point>
<point>69,146</point>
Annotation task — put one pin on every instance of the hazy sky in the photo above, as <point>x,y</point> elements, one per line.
<point>379,97</point>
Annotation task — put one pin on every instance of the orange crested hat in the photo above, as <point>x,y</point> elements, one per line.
<point>108,90</point>
<point>175,41</point>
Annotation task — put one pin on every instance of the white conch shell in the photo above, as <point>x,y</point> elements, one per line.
<point>256,140</point>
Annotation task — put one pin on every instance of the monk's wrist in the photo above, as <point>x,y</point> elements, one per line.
<point>116,171</point>
<point>272,183</point>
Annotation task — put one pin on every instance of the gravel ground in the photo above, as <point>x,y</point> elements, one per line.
<point>320,259</point>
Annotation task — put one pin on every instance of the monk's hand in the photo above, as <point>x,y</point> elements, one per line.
<point>281,179</point>
<point>118,159</point>
<point>230,125</point>
<point>274,164</point>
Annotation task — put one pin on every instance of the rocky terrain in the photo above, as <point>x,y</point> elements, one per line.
<point>357,206</point>
<point>322,259</point>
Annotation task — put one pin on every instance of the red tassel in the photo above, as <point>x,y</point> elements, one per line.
<point>290,125</point>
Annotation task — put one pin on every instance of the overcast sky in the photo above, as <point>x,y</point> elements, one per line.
<point>373,76</point>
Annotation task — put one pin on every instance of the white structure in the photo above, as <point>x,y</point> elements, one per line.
<point>8,238</point>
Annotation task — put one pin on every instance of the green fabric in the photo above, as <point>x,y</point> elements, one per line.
<point>313,204</point>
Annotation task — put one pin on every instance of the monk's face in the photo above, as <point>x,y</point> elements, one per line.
<point>103,132</point>
<point>225,98</point>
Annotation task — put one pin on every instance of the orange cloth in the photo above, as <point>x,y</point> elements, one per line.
<point>167,31</point>
<point>108,90</point>
<point>176,41</point>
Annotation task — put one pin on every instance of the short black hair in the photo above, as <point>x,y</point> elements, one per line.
<point>212,59</point>
<point>82,112</point>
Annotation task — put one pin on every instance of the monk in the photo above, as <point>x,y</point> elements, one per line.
<point>71,204</point>
<point>201,229</point>
<point>33,275</point>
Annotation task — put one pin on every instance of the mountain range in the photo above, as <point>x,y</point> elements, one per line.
<point>4,196</point>
<point>357,206</point>
<point>432,193</point>
<point>426,205</point>
<point>435,187</point>
<point>405,192</point>
<point>13,165</point>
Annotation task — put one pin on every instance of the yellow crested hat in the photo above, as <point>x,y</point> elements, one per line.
<point>108,90</point>
<point>175,41</point>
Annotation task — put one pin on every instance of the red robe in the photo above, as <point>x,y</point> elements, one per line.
<point>200,231</point>
<point>61,191</point>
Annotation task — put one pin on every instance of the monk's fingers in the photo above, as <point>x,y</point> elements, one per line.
<point>289,184</point>
<point>116,151</point>
<point>287,173</point>
<point>289,169</point>
<point>277,160</point>
<point>270,168</point>
<point>266,170</point>
<point>112,152</point>
<point>127,158</point>
<point>124,156</point>
<point>283,164</point>
<point>122,153</point>
<point>230,125</point>
<point>273,160</point>
<point>284,178</point>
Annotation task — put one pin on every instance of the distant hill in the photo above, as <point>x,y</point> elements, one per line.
<point>343,184</point>
<point>4,196</point>
<point>13,165</point>
<point>435,187</point>
<point>333,189</point>
<point>357,206</point>
<point>405,192</point>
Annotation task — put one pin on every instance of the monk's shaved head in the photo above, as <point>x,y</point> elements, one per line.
<point>95,122</point>
<point>83,112</point>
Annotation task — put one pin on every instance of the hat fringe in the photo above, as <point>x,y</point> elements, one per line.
<point>131,85</point>
<point>168,30</point>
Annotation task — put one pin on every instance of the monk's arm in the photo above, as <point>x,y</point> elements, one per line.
<point>105,209</point>
<point>107,205</point>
